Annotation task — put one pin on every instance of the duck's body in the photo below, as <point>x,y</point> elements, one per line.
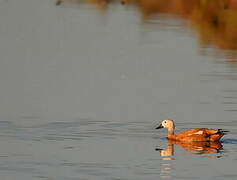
<point>198,134</point>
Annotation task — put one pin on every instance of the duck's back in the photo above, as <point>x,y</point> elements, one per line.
<point>199,134</point>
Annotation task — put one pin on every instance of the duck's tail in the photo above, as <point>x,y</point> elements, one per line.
<point>217,134</point>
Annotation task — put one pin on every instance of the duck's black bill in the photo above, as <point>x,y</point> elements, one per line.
<point>158,149</point>
<point>160,126</point>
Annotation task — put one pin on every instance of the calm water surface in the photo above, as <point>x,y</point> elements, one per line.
<point>82,88</point>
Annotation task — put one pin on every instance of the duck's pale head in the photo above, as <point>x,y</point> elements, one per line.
<point>169,124</point>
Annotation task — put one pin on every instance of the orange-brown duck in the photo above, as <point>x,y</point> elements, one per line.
<point>198,134</point>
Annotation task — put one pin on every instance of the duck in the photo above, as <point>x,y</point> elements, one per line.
<point>192,135</point>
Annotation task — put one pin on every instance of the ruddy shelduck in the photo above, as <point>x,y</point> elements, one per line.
<point>198,134</point>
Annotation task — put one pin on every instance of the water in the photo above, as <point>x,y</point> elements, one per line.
<point>82,88</point>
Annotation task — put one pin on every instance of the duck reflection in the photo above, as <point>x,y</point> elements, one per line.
<point>166,165</point>
<point>193,147</point>
<point>196,148</point>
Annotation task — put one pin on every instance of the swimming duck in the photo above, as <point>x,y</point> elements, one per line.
<point>198,134</point>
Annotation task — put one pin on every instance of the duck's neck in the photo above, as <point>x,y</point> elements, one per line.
<point>170,131</point>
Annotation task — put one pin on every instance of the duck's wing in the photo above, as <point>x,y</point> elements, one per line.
<point>197,131</point>
<point>200,134</point>
<point>204,134</point>
<point>202,131</point>
<point>197,134</point>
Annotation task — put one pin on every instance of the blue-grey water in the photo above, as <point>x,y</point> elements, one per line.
<point>82,90</point>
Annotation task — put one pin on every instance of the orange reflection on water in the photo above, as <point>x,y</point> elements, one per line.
<point>214,20</point>
<point>100,4</point>
<point>216,23</point>
<point>193,147</point>
<point>200,147</point>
